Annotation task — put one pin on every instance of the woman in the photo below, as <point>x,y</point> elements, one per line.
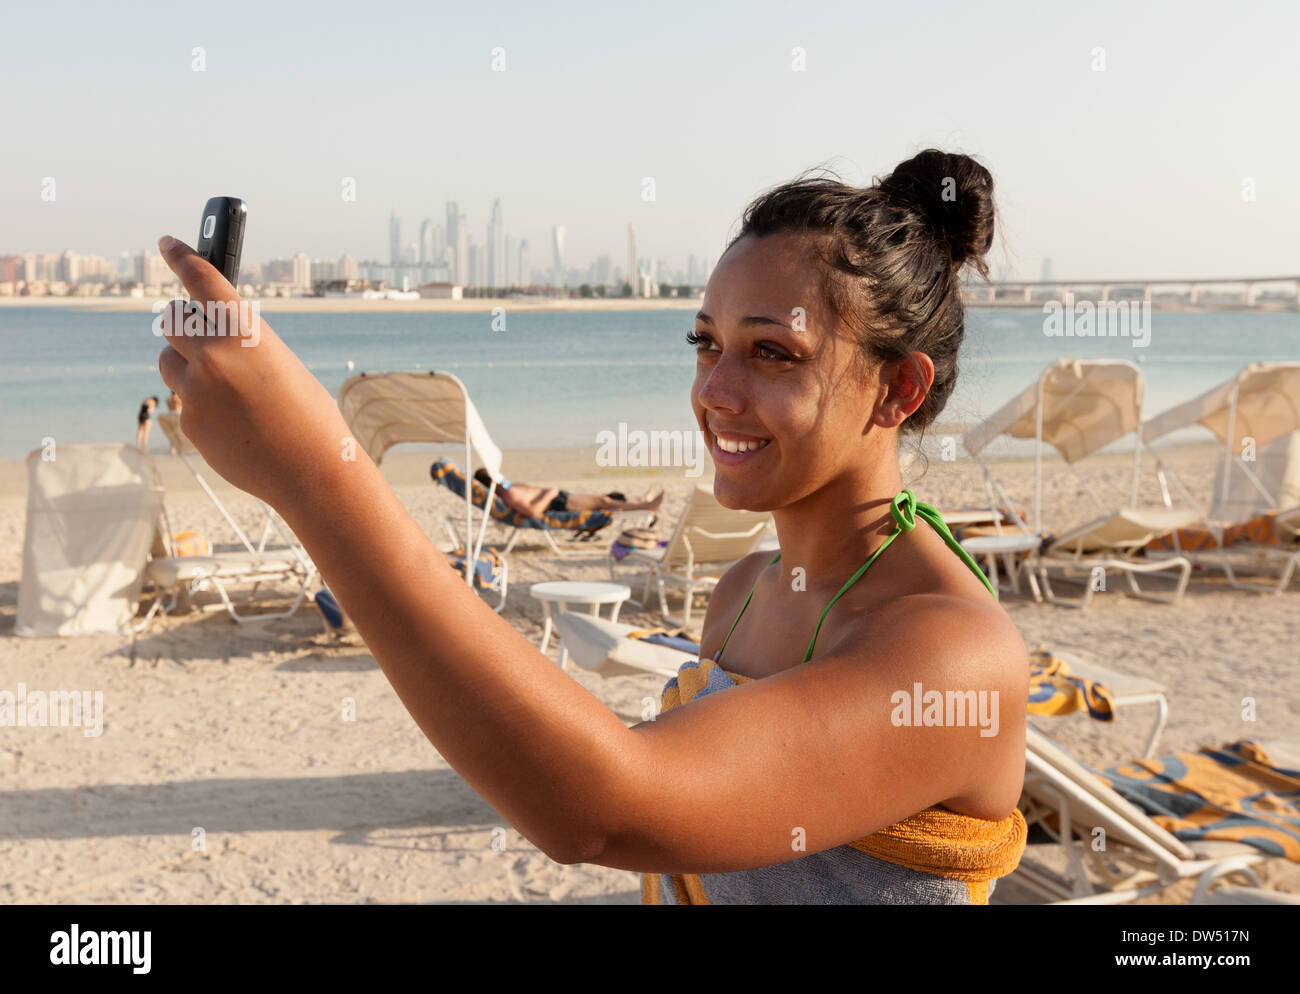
<point>144,422</point>
<point>534,501</point>
<point>831,323</point>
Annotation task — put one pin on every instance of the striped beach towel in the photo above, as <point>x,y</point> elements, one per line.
<point>1236,793</point>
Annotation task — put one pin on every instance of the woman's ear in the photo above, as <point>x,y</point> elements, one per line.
<point>906,382</point>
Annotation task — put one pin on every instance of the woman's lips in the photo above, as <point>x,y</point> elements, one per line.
<point>733,450</point>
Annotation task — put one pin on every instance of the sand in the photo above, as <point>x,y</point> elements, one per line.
<point>226,772</point>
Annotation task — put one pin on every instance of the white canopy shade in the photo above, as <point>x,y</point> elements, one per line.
<point>1266,396</point>
<point>387,409</point>
<point>1086,404</point>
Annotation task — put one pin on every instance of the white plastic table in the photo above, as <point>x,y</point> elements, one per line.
<point>1006,546</point>
<point>581,594</point>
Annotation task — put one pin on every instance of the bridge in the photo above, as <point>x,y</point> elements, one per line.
<point>1264,292</point>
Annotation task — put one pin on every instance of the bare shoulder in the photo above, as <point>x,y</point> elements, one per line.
<point>727,597</point>
<point>958,663</point>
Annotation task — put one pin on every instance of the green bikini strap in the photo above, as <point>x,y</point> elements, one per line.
<point>742,609</point>
<point>904,509</point>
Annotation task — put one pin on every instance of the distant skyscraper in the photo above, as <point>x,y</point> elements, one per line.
<point>496,246</point>
<point>426,242</point>
<point>631,260</point>
<point>557,255</point>
<point>465,274</point>
<point>439,244</point>
<point>394,239</point>
<point>524,276</point>
<point>1045,274</point>
<point>511,257</point>
<point>454,262</point>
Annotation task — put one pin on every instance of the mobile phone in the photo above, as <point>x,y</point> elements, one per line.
<point>221,235</point>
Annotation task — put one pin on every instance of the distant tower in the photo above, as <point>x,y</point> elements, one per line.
<point>631,261</point>
<point>455,260</point>
<point>462,250</point>
<point>1045,274</point>
<point>524,275</point>
<point>394,239</point>
<point>557,255</point>
<point>511,252</point>
<point>496,246</point>
<point>426,242</point>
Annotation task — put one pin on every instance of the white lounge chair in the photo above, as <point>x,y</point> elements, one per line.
<point>707,539</point>
<point>1260,405</point>
<point>1079,406</point>
<point>1134,858</point>
<point>606,647</point>
<point>387,409</point>
<point>92,513</point>
<point>255,564</point>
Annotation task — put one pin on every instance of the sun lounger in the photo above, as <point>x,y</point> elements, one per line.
<point>1114,851</point>
<point>707,539</point>
<point>1259,406</point>
<point>582,523</point>
<point>92,513</point>
<point>256,563</point>
<point>1079,406</point>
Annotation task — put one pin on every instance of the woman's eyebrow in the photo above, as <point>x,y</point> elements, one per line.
<point>751,319</point>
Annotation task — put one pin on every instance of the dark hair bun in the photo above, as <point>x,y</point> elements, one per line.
<point>954,194</point>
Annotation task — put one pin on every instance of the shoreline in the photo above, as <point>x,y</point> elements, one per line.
<point>342,305</point>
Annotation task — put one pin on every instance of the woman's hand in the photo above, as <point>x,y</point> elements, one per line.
<point>248,404</point>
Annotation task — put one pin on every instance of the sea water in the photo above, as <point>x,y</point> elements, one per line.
<point>557,379</point>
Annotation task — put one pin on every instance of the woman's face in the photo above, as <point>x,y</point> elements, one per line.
<point>777,376</point>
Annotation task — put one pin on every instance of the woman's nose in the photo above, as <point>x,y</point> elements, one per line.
<point>721,388</point>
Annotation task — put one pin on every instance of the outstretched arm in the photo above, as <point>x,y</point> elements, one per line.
<point>715,785</point>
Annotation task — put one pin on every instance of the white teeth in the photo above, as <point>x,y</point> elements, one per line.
<point>728,446</point>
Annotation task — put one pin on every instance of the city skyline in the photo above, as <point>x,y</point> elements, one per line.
<point>1147,142</point>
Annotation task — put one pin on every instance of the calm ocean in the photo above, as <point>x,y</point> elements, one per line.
<point>556,379</point>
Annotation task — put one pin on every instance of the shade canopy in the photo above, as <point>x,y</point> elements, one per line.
<point>1267,398</point>
<point>387,409</point>
<point>1086,404</point>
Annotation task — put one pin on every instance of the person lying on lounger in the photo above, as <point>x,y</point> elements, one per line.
<point>533,501</point>
<point>880,764</point>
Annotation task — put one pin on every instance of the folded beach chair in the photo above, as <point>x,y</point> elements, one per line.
<point>257,562</point>
<point>707,539</point>
<point>92,513</point>
<point>1078,406</point>
<point>1254,516</point>
<point>612,648</point>
<point>1061,683</point>
<point>1115,851</point>
<point>387,409</point>
<point>582,523</point>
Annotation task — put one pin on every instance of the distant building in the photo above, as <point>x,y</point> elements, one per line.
<point>440,291</point>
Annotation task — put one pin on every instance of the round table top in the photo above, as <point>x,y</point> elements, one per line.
<point>1001,543</point>
<point>580,591</point>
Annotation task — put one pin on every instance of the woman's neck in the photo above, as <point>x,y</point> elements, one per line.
<point>831,533</point>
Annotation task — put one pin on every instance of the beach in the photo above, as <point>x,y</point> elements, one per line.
<point>226,771</point>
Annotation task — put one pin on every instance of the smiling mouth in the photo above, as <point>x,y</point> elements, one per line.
<point>727,445</point>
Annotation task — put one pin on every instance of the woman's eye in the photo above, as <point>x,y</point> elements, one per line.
<point>700,340</point>
<point>765,353</point>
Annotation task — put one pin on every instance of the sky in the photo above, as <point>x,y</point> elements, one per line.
<point>1134,171</point>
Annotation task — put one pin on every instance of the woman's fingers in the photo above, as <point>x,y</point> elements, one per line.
<point>200,278</point>
<point>172,366</point>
